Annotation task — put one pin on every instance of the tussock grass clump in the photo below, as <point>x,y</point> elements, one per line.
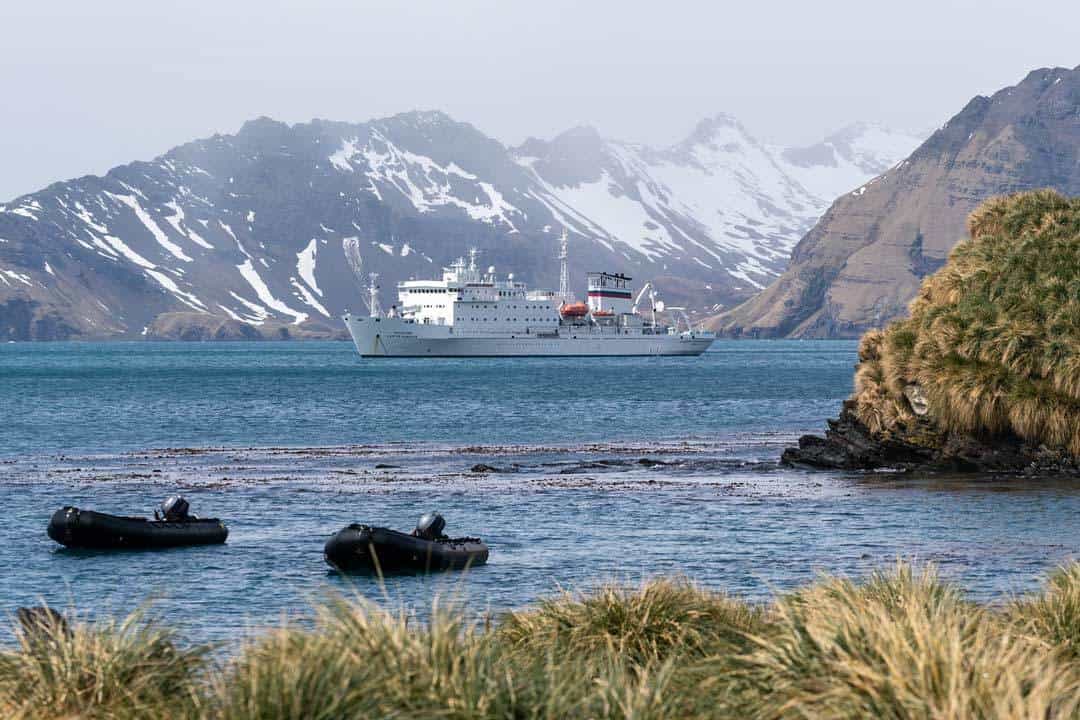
<point>905,645</point>
<point>360,661</point>
<point>900,644</point>
<point>1054,614</point>
<point>133,668</point>
<point>660,619</point>
<point>993,338</point>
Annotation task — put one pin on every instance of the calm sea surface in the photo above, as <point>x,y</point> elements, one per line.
<point>290,442</point>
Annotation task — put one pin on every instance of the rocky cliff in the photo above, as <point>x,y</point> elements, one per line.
<point>985,373</point>
<point>866,257</point>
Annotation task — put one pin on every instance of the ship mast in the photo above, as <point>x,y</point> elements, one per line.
<point>373,295</point>
<point>564,272</point>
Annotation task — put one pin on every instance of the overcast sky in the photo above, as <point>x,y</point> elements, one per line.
<point>89,85</point>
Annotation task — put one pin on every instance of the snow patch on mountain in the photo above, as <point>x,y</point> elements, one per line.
<point>119,246</point>
<point>5,275</point>
<point>249,273</point>
<point>305,265</point>
<point>307,298</point>
<point>177,221</point>
<point>169,284</point>
<point>259,314</point>
<point>148,222</point>
<point>87,218</point>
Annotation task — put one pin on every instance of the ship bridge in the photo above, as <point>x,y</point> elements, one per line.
<point>609,294</point>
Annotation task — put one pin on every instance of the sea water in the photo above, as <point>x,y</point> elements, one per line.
<point>593,470</point>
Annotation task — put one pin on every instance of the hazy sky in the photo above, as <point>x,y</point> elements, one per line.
<point>89,85</point>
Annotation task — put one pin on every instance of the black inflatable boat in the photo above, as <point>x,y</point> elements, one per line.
<point>362,548</point>
<point>88,529</point>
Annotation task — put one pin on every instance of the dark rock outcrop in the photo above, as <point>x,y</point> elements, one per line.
<point>202,327</point>
<point>25,319</point>
<point>849,445</point>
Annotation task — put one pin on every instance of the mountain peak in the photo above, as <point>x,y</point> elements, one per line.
<point>709,126</point>
<point>262,126</point>
<point>579,133</point>
<point>424,118</point>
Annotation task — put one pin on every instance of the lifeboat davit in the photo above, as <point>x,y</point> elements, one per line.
<point>578,309</point>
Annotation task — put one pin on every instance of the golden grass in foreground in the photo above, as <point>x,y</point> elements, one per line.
<point>112,670</point>
<point>901,644</point>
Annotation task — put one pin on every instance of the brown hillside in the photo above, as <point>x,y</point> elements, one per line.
<point>865,259</point>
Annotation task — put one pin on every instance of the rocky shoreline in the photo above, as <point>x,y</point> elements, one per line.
<point>919,446</point>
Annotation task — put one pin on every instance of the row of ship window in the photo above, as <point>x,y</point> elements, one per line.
<point>511,319</point>
<point>487,307</point>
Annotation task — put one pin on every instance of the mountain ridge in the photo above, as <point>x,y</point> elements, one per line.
<point>865,259</point>
<point>251,226</point>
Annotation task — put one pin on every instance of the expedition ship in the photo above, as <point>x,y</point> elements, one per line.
<point>469,313</point>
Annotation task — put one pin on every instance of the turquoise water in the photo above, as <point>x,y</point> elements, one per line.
<point>116,396</point>
<point>290,442</point>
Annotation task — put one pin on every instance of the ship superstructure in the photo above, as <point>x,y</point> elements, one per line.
<point>470,313</point>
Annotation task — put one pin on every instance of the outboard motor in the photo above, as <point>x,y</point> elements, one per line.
<point>175,509</point>
<point>430,526</point>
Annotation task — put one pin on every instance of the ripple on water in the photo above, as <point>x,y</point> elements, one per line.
<point>290,442</point>
<point>747,531</point>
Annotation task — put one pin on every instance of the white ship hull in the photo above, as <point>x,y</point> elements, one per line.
<point>398,337</point>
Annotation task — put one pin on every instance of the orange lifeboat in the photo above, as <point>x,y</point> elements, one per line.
<point>602,313</point>
<point>578,309</point>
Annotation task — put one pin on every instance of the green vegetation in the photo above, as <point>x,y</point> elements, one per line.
<point>993,340</point>
<point>901,644</point>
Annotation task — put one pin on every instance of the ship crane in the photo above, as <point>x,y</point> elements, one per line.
<point>656,305</point>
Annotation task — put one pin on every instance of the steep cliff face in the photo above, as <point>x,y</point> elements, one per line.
<point>866,257</point>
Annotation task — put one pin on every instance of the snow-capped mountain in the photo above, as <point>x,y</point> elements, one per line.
<point>251,227</point>
<point>719,199</point>
<point>846,159</point>
<point>868,255</point>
